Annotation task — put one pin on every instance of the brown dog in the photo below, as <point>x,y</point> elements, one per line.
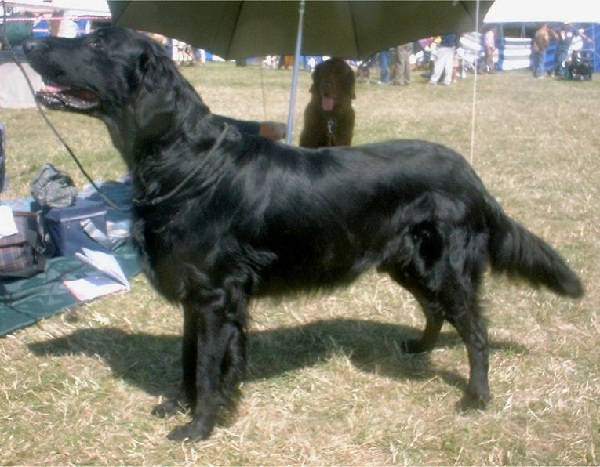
<point>329,116</point>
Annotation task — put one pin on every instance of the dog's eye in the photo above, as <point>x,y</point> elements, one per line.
<point>94,42</point>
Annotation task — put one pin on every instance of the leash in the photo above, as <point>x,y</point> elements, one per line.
<point>42,112</point>
<point>192,174</point>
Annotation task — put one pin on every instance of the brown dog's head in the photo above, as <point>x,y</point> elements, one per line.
<point>333,84</point>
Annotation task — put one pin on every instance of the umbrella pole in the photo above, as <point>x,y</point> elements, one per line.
<point>292,107</point>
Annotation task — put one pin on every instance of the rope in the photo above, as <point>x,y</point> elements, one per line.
<point>262,86</point>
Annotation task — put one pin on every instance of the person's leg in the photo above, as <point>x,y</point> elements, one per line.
<point>448,66</point>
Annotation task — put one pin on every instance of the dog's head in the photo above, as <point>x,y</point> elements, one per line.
<point>90,73</point>
<point>333,84</point>
<point>120,76</point>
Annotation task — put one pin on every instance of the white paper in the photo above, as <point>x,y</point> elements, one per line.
<point>7,222</point>
<point>89,288</point>
<point>105,263</point>
<point>110,277</point>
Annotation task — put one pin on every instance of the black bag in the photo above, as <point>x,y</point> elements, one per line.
<point>24,253</point>
<point>53,188</point>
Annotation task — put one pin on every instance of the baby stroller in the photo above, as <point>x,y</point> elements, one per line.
<point>581,65</point>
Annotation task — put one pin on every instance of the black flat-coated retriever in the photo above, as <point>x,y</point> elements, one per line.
<point>220,217</point>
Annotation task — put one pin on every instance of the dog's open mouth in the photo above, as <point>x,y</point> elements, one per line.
<point>56,96</point>
<point>327,103</point>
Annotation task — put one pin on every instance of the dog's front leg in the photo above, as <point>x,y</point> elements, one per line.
<point>214,360</point>
<point>172,407</point>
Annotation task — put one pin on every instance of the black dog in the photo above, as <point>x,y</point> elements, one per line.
<point>220,217</point>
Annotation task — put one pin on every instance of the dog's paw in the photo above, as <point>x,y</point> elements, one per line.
<point>168,409</point>
<point>470,402</point>
<point>414,346</point>
<point>193,431</point>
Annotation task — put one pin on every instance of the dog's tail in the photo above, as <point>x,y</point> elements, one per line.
<point>518,252</point>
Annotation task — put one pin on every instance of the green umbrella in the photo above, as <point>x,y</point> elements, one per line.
<point>348,29</point>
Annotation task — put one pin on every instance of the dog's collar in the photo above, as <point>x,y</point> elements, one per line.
<point>192,174</point>
<point>330,129</point>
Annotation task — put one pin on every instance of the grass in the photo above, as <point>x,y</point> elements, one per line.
<point>327,382</point>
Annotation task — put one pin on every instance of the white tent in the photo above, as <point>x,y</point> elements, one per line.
<point>73,7</point>
<point>14,90</point>
<point>550,11</point>
<point>516,51</point>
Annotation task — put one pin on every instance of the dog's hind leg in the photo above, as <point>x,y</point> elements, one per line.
<point>214,360</point>
<point>443,273</point>
<point>460,308</point>
<point>427,342</point>
<point>473,331</point>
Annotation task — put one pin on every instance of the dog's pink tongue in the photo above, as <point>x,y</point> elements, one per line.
<point>327,103</point>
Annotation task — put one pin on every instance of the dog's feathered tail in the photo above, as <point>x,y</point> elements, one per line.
<point>518,252</point>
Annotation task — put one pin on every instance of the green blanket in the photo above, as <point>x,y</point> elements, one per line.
<point>24,302</point>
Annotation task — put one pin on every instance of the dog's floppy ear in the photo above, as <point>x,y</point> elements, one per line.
<point>316,77</point>
<point>154,104</point>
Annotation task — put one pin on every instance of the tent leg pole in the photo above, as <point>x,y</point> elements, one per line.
<point>292,107</point>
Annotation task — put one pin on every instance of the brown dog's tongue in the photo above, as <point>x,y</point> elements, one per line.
<point>327,103</point>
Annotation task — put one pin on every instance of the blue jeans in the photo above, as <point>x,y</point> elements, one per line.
<point>562,53</point>
<point>539,60</point>
<point>384,63</point>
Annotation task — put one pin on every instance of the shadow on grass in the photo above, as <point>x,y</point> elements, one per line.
<point>152,362</point>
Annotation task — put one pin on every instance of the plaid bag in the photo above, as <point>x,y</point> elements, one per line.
<point>23,254</point>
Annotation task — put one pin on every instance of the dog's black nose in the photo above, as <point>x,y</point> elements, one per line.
<point>31,44</point>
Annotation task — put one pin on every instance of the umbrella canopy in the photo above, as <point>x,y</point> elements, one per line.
<point>349,29</point>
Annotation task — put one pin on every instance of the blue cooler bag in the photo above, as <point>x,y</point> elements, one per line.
<point>74,227</point>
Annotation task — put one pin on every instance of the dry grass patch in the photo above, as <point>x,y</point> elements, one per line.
<point>327,383</point>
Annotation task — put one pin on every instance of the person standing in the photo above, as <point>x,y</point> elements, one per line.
<point>403,67</point>
<point>489,44</point>
<point>384,67</point>
<point>444,61</point>
<point>564,39</point>
<point>541,40</point>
